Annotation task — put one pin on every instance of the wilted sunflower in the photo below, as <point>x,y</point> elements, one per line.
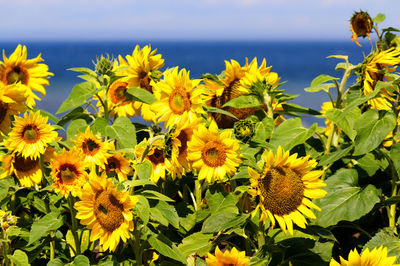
<point>17,68</point>
<point>284,186</point>
<point>233,257</point>
<point>30,135</point>
<point>360,26</point>
<point>374,257</point>
<point>142,65</point>
<point>106,211</point>
<point>26,170</point>
<point>93,148</point>
<point>213,154</point>
<point>375,68</point>
<point>68,172</point>
<point>178,99</point>
<point>119,164</point>
<point>12,98</point>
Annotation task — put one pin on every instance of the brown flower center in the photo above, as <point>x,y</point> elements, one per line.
<point>67,173</point>
<point>30,133</point>
<point>213,154</point>
<point>112,164</point>
<point>361,24</point>
<point>179,101</point>
<point>117,92</point>
<point>157,157</point>
<point>144,82</point>
<point>3,111</point>
<point>22,164</point>
<point>90,147</point>
<point>108,211</point>
<point>183,137</point>
<point>282,190</point>
<point>16,74</point>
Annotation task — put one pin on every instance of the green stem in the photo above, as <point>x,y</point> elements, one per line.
<point>52,246</point>
<point>197,189</point>
<point>261,236</point>
<point>74,224</point>
<point>135,244</point>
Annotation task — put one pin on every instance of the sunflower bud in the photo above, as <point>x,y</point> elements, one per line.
<point>360,26</point>
<point>104,65</point>
<point>244,130</point>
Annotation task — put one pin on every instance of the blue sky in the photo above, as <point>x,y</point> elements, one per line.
<point>27,20</point>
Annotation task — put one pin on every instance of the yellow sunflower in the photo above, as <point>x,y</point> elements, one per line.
<point>213,154</point>
<point>329,124</point>
<point>119,164</point>
<point>374,68</point>
<point>68,173</point>
<point>106,211</point>
<point>233,257</point>
<point>17,68</point>
<point>284,188</point>
<point>12,98</point>
<point>177,98</point>
<point>30,135</point>
<point>26,170</point>
<point>93,148</point>
<point>142,65</point>
<point>375,257</point>
<point>360,26</point>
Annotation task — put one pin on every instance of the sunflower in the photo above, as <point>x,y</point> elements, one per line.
<point>119,164</point>
<point>329,124</point>
<point>30,135</point>
<point>106,211</point>
<point>68,173</point>
<point>26,170</point>
<point>143,66</point>
<point>213,154</point>
<point>17,68</point>
<point>233,257</point>
<point>177,98</point>
<point>360,26</point>
<point>284,186</point>
<point>12,98</point>
<point>93,148</point>
<point>373,257</point>
<point>374,69</point>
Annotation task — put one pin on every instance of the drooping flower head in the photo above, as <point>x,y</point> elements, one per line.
<point>12,98</point>
<point>30,135</point>
<point>17,68</point>
<point>367,257</point>
<point>106,211</point>
<point>233,257</point>
<point>284,188</point>
<point>26,170</point>
<point>214,155</point>
<point>360,26</point>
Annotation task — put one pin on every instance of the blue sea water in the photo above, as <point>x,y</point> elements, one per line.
<point>296,62</point>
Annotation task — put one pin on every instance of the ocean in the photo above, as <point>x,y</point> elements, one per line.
<point>296,62</point>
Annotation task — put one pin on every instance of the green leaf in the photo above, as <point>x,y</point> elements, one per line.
<point>81,260</point>
<point>217,110</point>
<point>372,130</point>
<point>140,182</point>
<point>197,243</point>
<point>47,223</point>
<point>222,221</point>
<point>291,133</point>
<point>294,108</point>
<point>318,83</point>
<point>83,235</point>
<point>169,213</point>
<point>55,262</point>
<point>19,258</point>
<point>143,209</point>
<point>263,130</point>
<point>217,202</point>
<point>379,18</point>
<point>395,156</point>
<point>168,250</point>
<point>344,122</point>
<point>5,185</point>
<point>244,101</point>
<point>123,131</point>
<point>387,238</point>
<point>346,200</point>
<point>151,194</point>
<point>76,126</point>
<point>79,95</point>
<point>76,113</point>
<point>334,156</point>
<point>50,116</point>
<point>142,95</point>
<point>99,126</point>
<point>158,217</point>
<point>144,169</point>
<point>83,70</point>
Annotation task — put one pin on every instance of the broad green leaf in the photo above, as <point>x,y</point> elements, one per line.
<point>74,114</point>
<point>140,182</point>
<point>217,202</point>
<point>76,126</point>
<point>294,108</point>
<point>142,95</point>
<point>291,133</point>
<point>379,18</point>
<point>395,156</point>
<point>334,156</point>
<point>5,184</point>
<point>99,126</point>
<point>263,130</point>
<point>151,194</point>
<point>123,131</point>
<point>344,122</point>
<point>83,70</point>
<point>345,200</point>
<point>55,262</point>
<point>217,110</point>
<point>372,130</point>
<point>158,217</point>
<point>47,223</point>
<point>318,83</point>
<point>81,260</point>
<point>386,238</point>
<point>143,209</point>
<point>223,221</point>
<point>39,204</point>
<point>19,258</point>
<point>197,243</point>
<point>79,95</point>
<point>369,164</point>
<point>244,101</point>
<point>83,235</point>
<point>169,213</point>
<point>169,250</point>
<point>144,170</point>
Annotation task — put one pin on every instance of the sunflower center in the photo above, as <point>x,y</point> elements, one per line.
<point>30,133</point>
<point>108,211</point>
<point>361,25</point>
<point>282,190</point>
<point>144,82</point>
<point>183,137</point>
<point>179,101</point>
<point>90,147</point>
<point>3,111</point>
<point>213,154</point>
<point>157,156</point>
<point>67,173</point>
<point>112,164</point>
<point>17,74</point>
<point>22,164</point>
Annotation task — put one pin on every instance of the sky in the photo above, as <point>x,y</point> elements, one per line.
<point>32,20</point>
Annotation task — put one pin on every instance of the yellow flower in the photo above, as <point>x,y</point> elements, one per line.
<point>360,26</point>
<point>12,98</point>
<point>213,154</point>
<point>177,98</point>
<point>329,124</point>
<point>375,257</point>
<point>26,170</point>
<point>118,163</point>
<point>93,148</point>
<point>374,68</point>
<point>233,257</point>
<point>30,135</point>
<point>106,211</point>
<point>17,68</point>
<point>68,172</point>
<point>284,188</point>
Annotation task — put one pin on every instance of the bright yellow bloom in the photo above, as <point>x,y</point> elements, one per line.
<point>213,154</point>
<point>360,26</point>
<point>106,211</point>
<point>17,68</point>
<point>233,257</point>
<point>26,170</point>
<point>30,135</point>
<point>284,188</point>
<point>177,98</point>
<point>375,257</point>
<point>119,164</point>
<point>68,172</point>
<point>12,98</point>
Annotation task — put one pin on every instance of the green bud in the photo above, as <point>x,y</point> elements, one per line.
<point>244,130</point>
<point>104,65</point>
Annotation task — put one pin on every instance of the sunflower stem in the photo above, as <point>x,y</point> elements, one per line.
<point>136,244</point>
<point>197,192</point>
<point>74,224</point>
<point>261,236</point>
